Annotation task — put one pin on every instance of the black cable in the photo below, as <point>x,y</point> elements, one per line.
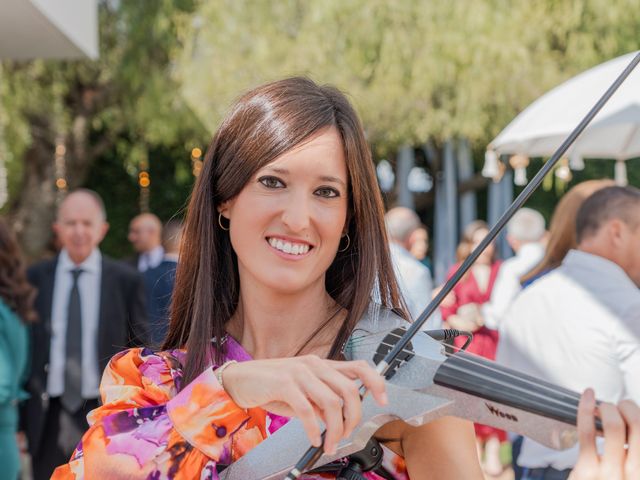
<point>445,334</point>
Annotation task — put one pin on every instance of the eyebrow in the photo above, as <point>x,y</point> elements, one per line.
<point>324,178</point>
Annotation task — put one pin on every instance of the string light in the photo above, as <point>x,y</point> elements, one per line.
<point>196,161</point>
<point>144,181</point>
<point>60,168</point>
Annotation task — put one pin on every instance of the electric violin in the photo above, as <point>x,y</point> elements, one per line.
<point>427,379</point>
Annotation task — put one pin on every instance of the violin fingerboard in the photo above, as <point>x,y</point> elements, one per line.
<point>388,342</point>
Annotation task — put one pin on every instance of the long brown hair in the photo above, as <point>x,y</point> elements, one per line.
<point>264,124</point>
<point>15,291</point>
<point>562,229</point>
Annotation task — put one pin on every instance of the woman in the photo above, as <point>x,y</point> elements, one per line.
<point>16,311</point>
<point>284,243</point>
<point>462,311</point>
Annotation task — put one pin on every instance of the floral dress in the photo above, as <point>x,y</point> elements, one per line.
<point>145,429</point>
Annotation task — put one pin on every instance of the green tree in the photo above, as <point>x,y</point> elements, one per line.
<point>122,105</point>
<point>416,70</point>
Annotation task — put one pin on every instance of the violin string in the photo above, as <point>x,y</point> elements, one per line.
<point>571,404</point>
<point>468,358</point>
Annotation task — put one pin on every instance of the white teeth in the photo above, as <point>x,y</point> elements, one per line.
<point>287,247</point>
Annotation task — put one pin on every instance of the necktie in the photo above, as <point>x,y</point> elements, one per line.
<point>72,397</point>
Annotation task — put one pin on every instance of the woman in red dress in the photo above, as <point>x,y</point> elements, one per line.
<point>462,310</point>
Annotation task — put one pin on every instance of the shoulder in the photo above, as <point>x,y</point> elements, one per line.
<point>35,271</point>
<point>120,268</point>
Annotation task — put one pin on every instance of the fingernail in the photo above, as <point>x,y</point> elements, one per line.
<point>589,395</point>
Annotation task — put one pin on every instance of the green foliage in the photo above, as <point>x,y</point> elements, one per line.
<point>112,113</point>
<point>415,69</point>
<point>171,182</point>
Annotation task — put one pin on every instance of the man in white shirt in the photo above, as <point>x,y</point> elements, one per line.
<point>90,307</point>
<point>579,326</point>
<point>525,231</point>
<point>145,234</point>
<point>413,277</point>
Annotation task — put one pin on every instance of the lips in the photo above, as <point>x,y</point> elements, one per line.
<point>289,247</point>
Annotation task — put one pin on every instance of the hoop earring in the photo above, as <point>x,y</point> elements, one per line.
<point>348,243</point>
<point>220,222</point>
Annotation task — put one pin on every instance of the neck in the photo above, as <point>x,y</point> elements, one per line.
<point>601,250</point>
<point>77,259</point>
<point>264,315</point>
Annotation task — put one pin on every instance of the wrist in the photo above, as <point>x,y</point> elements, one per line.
<point>219,373</point>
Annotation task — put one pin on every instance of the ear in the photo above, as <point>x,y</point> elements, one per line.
<point>224,208</point>
<point>616,230</point>
<point>103,230</point>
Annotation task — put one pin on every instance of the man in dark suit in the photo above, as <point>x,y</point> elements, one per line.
<point>159,282</point>
<point>90,307</point>
<point>145,235</point>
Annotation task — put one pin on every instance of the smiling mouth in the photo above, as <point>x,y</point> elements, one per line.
<point>290,248</point>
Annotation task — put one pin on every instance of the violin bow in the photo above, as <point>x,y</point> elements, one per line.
<point>445,385</point>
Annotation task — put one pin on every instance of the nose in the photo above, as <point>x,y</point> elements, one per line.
<point>296,214</point>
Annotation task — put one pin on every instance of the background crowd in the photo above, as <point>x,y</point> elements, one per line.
<point>565,308</point>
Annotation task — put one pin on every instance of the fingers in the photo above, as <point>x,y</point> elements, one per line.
<point>337,394</point>
<point>372,380</point>
<point>614,431</point>
<point>586,425</point>
<point>303,409</point>
<point>330,407</point>
<point>631,415</point>
<point>347,390</point>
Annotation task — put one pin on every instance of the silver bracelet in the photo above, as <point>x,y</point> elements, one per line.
<point>218,371</point>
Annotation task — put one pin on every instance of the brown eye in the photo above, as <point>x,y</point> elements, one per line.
<point>327,192</point>
<point>271,182</point>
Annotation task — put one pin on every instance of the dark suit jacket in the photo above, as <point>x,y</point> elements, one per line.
<point>122,324</point>
<point>159,283</point>
<point>132,261</point>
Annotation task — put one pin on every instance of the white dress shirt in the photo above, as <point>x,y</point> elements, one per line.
<point>414,280</point>
<point>89,283</point>
<point>507,284</point>
<point>578,327</point>
<point>150,259</point>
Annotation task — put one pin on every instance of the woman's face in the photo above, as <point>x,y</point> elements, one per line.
<point>287,222</point>
<point>485,257</point>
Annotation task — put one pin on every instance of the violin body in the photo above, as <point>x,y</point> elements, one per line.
<point>430,385</point>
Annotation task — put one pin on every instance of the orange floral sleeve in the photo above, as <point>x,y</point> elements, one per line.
<point>146,430</point>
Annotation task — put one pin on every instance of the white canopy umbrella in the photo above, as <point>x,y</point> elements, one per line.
<point>540,129</point>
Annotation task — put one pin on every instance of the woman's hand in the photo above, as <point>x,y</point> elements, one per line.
<point>618,423</point>
<point>309,388</point>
